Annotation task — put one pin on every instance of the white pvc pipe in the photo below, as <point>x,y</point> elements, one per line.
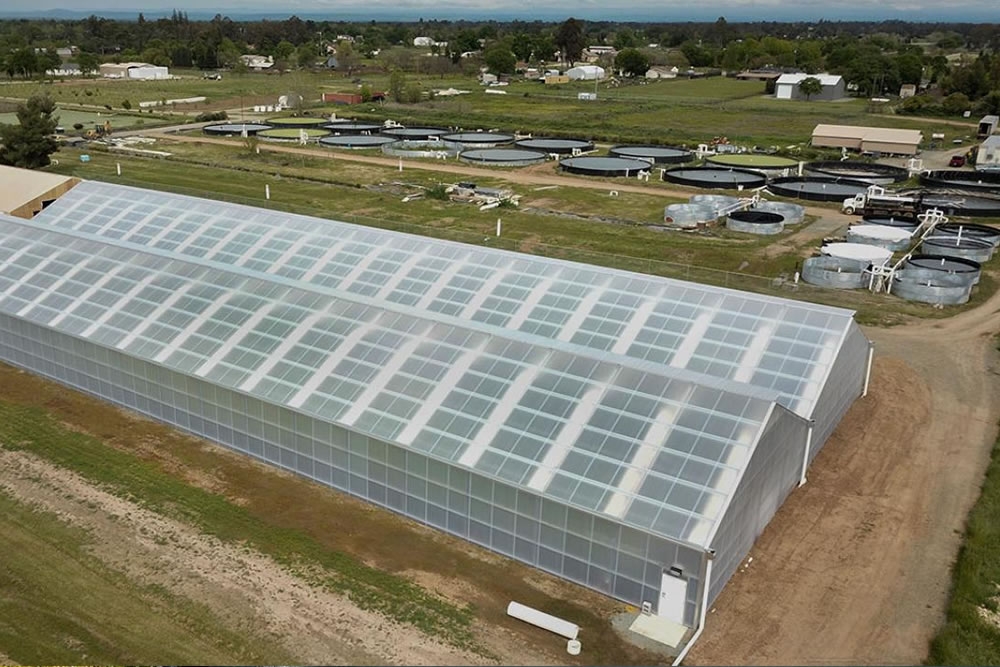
<point>805,455</point>
<point>868,371</point>
<point>542,620</point>
<point>701,615</point>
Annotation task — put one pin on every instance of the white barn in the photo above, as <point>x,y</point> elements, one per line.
<point>787,86</point>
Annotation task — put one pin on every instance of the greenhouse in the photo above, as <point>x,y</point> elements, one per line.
<point>631,433</point>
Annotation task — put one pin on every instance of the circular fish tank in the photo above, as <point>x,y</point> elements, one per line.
<point>793,213</point>
<point>603,166</point>
<point>554,145</point>
<point>960,203</point>
<point>356,141</point>
<point>752,161</point>
<point>955,265</point>
<point>890,238</point>
<point>351,127</point>
<point>715,177</point>
<point>296,121</point>
<point>652,154</point>
<point>502,157</point>
<point>875,174</point>
<point>962,180</point>
<point>414,133</point>
<point>292,134</point>
<point>835,272</point>
<point>989,234</point>
<point>688,216</point>
<point>755,222</point>
<point>891,221</point>
<point>816,188</point>
<point>479,139</point>
<point>857,251</point>
<point>422,148</point>
<point>235,129</point>
<point>967,247</point>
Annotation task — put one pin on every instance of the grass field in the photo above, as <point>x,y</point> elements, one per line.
<point>680,111</point>
<point>971,635</point>
<point>62,605</point>
<point>68,117</point>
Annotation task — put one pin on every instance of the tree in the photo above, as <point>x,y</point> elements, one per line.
<point>21,62</point>
<point>126,105</point>
<point>397,86</point>
<point>305,55</point>
<point>632,62</point>
<point>88,63</point>
<point>810,86</point>
<point>29,143</point>
<point>570,40</point>
<point>500,59</point>
<point>347,57</point>
<point>955,104</point>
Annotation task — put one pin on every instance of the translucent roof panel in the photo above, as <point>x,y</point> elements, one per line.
<point>653,446</point>
<point>769,342</point>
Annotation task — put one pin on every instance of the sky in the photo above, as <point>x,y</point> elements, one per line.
<point>667,10</point>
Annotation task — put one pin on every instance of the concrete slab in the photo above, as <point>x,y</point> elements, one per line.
<point>659,629</point>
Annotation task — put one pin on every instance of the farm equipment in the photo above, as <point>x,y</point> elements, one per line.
<point>876,201</point>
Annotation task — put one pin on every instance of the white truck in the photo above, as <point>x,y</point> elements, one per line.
<point>876,201</point>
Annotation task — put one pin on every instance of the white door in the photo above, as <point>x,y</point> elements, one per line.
<point>673,595</point>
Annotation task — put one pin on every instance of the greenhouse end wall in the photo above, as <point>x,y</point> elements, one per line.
<point>591,550</point>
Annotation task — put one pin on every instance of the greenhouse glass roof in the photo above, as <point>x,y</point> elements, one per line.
<point>504,364</point>
<point>768,342</point>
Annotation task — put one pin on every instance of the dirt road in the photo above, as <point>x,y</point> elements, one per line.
<point>855,567</point>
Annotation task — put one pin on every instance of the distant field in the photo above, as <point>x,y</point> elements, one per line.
<point>67,118</point>
<point>680,111</point>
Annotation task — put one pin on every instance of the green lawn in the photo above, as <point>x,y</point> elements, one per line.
<point>967,638</point>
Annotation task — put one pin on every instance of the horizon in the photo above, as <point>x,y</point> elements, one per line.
<point>734,11</point>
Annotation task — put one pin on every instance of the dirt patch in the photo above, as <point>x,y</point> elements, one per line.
<point>244,588</point>
<point>990,616</point>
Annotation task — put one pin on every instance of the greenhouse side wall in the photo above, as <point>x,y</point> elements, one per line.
<point>771,475</point>
<point>843,387</point>
<point>588,549</point>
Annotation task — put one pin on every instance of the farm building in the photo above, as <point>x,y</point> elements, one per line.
<point>631,433</point>
<point>139,71</point>
<point>987,126</point>
<point>786,86</point>
<point>867,139</point>
<point>988,155</point>
<point>24,193</point>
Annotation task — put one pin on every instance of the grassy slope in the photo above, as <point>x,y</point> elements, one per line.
<point>967,638</point>
<point>33,430</point>
<point>60,605</point>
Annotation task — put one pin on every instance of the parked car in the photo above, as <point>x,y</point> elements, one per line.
<point>957,161</point>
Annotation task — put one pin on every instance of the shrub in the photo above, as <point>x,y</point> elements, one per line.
<point>210,116</point>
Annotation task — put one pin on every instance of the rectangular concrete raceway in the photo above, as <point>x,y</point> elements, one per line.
<point>598,424</point>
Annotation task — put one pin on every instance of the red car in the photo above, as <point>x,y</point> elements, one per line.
<point>957,161</point>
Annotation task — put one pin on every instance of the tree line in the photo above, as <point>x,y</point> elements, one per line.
<point>875,57</point>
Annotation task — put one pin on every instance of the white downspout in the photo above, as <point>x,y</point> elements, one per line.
<point>805,455</point>
<point>868,371</point>
<point>709,556</point>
